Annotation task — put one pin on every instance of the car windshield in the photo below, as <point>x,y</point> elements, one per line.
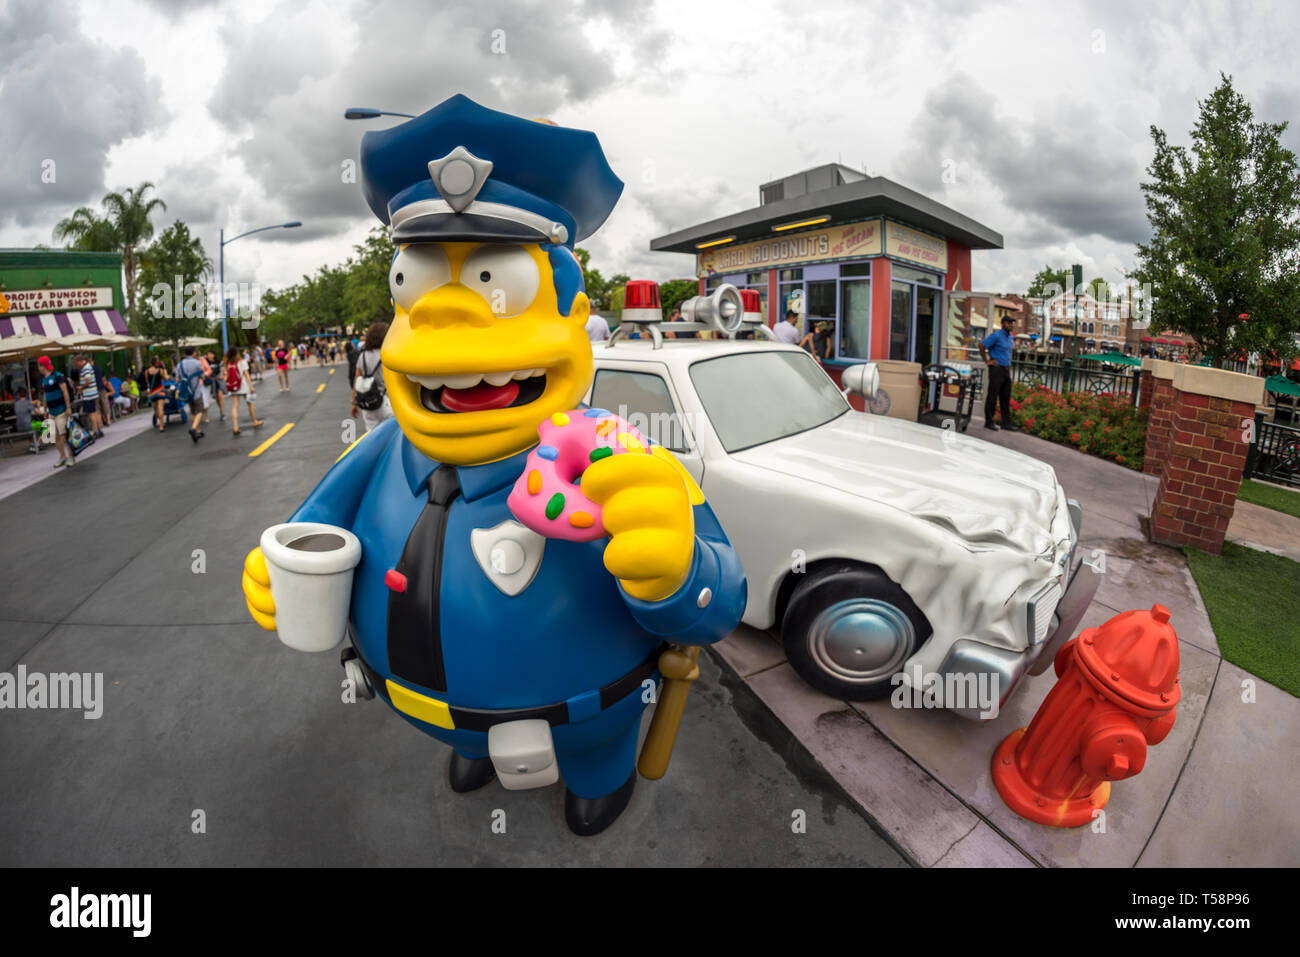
<point>756,397</point>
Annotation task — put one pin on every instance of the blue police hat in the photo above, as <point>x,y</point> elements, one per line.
<point>464,172</point>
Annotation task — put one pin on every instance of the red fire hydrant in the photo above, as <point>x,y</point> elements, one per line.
<point>1116,693</point>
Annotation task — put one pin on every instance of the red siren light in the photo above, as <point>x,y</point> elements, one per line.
<point>641,294</point>
<point>752,300</point>
<point>641,301</point>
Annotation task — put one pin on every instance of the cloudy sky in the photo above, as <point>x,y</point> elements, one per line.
<point>1039,112</point>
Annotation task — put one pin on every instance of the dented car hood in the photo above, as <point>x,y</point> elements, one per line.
<point>988,496</point>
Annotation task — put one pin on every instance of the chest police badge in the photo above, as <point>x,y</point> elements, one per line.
<point>509,555</point>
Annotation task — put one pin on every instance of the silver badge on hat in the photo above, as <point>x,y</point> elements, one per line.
<point>459,176</point>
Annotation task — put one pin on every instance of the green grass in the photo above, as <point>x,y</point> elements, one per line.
<point>1253,598</point>
<point>1271,496</point>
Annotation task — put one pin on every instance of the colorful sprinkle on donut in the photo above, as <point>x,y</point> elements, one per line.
<point>547,497</point>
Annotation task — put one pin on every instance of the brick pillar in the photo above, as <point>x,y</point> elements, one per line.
<point>1160,405</point>
<point>1211,413</point>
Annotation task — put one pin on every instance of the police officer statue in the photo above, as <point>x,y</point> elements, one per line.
<point>531,656</point>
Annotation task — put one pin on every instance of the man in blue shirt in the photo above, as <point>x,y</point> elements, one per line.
<point>58,403</point>
<point>995,350</point>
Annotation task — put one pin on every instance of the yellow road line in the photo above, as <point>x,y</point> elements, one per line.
<point>331,371</point>
<point>271,441</point>
<point>320,388</point>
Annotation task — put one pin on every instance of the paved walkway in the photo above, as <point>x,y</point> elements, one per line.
<point>1266,529</point>
<point>1218,791</point>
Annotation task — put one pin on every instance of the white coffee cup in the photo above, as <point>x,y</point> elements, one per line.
<point>311,565</point>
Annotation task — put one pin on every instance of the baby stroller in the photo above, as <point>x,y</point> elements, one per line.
<point>173,405</point>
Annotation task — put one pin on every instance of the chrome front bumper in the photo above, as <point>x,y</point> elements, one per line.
<point>991,670</point>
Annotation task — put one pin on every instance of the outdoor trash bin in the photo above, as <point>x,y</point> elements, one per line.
<point>899,393</point>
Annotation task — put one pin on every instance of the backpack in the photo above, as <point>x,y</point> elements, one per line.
<point>233,379</point>
<point>187,388</point>
<point>370,389</point>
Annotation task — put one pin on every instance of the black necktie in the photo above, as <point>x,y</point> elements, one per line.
<point>414,638</point>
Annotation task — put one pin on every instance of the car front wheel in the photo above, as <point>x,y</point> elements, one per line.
<point>848,630</point>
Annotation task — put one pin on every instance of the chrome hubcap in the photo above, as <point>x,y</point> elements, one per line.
<point>861,640</point>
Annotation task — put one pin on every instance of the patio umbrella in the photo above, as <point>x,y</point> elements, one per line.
<point>21,347</point>
<point>77,342</point>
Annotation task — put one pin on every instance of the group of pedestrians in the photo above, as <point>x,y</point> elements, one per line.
<point>86,390</point>
<point>202,381</point>
<point>192,386</point>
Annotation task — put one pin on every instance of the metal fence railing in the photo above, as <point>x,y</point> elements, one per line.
<point>1064,374</point>
<point>1275,454</point>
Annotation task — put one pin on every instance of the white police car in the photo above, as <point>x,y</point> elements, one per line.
<point>876,546</point>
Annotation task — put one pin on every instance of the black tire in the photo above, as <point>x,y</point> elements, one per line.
<point>843,611</point>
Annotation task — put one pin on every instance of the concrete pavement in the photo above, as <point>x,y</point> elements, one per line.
<point>1217,791</point>
<point>130,565</point>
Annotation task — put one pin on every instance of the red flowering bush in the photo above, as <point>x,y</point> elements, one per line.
<point>1105,425</point>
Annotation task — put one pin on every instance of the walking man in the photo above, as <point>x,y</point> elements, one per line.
<point>58,405</point>
<point>190,374</point>
<point>995,350</point>
<point>88,385</point>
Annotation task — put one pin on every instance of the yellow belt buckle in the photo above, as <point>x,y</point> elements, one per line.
<point>419,706</point>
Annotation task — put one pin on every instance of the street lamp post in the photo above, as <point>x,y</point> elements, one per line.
<point>224,242</point>
<point>365,113</point>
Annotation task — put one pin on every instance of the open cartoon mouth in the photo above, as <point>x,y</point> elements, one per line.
<point>476,393</point>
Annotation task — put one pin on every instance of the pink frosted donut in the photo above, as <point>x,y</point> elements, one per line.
<point>548,497</point>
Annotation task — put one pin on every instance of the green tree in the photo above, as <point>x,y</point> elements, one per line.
<point>366,296</point>
<point>85,231</point>
<point>1046,277</point>
<point>676,291</point>
<point>1225,232</point>
<point>175,257</point>
<point>125,227</point>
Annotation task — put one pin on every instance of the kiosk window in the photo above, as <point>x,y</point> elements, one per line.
<point>643,399</point>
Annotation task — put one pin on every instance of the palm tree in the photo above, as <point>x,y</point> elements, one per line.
<point>86,232</point>
<point>124,228</point>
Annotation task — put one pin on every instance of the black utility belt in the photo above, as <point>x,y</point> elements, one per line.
<point>481,719</point>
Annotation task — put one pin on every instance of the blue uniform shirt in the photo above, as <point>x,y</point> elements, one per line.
<point>999,343</point>
<point>54,394</point>
<point>572,631</point>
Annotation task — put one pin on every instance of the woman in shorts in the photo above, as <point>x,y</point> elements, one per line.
<point>282,354</point>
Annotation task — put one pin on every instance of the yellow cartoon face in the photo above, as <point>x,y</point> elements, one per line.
<point>478,353</point>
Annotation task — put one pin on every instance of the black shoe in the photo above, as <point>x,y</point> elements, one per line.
<point>195,436</point>
<point>469,774</point>
<point>588,816</point>
<point>1010,428</point>
<point>990,426</point>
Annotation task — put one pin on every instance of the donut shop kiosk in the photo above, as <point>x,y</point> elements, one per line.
<point>880,263</point>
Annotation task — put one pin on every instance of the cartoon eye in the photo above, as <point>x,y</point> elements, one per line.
<point>416,269</point>
<point>506,276</point>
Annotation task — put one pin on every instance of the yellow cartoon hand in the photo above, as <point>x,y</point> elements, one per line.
<point>648,515</point>
<point>257,590</point>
